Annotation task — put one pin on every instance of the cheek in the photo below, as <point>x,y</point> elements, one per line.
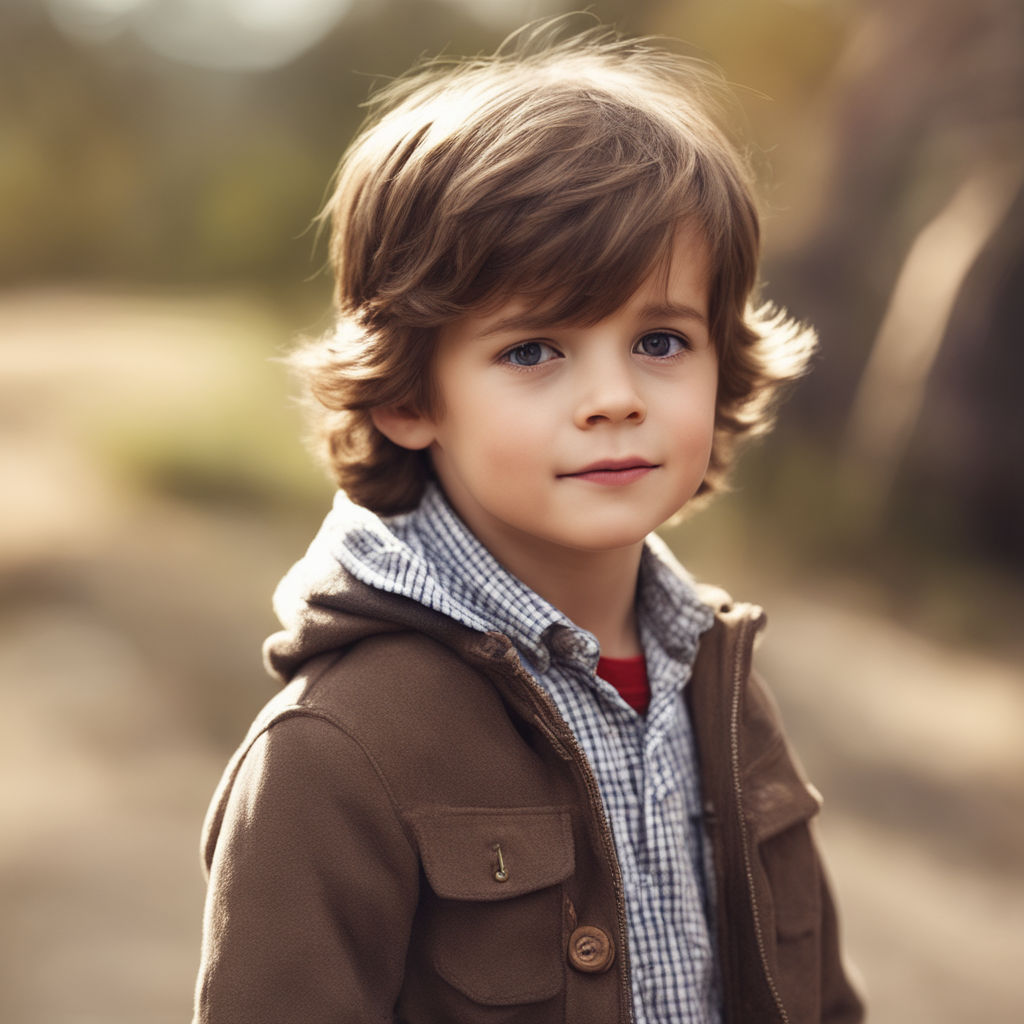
<point>513,451</point>
<point>493,438</point>
<point>693,417</point>
<point>700,411</point>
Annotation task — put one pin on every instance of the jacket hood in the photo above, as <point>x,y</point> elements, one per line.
<point>324,606</point>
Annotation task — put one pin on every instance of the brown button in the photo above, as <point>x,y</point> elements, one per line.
<point>591,950</point>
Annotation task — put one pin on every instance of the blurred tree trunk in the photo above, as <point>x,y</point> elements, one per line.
<point>891,394</point>
<point>925,91</point>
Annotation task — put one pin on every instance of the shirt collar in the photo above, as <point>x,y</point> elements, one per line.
<point>668,604</point>
<point>431,556</point>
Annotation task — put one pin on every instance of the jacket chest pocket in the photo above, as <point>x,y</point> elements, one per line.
<point>493,915</point>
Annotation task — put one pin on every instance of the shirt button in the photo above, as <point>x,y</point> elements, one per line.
<point>591,950</point>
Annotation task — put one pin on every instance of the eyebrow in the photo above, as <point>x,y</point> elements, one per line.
<point>655,311</point>
<point>674,311</point>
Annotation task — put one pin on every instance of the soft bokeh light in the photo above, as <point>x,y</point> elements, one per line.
<point>240,35</point>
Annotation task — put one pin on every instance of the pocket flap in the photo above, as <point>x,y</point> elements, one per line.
<point>775,806</point>
<point>459,847</point>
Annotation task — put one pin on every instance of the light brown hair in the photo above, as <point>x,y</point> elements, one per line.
<point>557,170</point>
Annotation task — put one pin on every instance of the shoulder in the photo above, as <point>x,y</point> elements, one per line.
<point>406,703</point>
<point>394,678</point>
<point>388,708</point>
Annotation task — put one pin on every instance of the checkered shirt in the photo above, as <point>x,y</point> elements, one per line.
<point>645,766</point>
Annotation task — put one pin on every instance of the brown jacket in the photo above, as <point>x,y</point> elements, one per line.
<point>353,845</point>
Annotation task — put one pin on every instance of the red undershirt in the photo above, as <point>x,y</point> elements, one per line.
<point>629,677</point>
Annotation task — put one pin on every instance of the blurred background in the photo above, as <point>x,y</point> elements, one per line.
<point>161,162</point>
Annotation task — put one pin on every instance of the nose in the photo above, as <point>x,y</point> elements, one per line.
<point>608,394</point>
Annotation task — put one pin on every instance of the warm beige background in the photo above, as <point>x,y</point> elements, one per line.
<point>152,264</point>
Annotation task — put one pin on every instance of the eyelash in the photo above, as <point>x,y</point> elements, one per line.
<point>506,357</point>
<point>683,342</point>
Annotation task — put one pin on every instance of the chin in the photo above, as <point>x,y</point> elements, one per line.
<point>596,539</point>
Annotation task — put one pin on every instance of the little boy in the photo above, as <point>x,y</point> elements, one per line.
<point>521,770</point>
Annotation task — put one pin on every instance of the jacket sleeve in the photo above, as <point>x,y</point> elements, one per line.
<point>795,909</point>
<point>313,886</point>
<point>803,867</point>
<point>840,1001</point>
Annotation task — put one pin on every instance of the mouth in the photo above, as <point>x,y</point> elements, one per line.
<point>613,471</point>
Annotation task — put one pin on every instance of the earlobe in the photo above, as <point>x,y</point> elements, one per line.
<point>402,427</point>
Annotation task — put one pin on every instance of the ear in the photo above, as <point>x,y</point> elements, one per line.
<point>402,427</point>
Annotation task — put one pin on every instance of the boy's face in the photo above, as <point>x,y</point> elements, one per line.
<point>578,437</point>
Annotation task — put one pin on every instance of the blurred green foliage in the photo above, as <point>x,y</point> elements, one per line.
<point>118,167</point>
<point>121,164</point>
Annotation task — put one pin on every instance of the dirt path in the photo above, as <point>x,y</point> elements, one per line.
<point>129,662</point>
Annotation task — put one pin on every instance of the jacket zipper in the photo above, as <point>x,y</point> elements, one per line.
<point>568,740</point>
<point>741,667</point>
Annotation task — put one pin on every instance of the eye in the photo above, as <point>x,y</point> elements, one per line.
<point>530,353</point>
<point>660,344</point>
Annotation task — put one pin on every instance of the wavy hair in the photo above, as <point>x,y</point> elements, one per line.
<point>557,169</point>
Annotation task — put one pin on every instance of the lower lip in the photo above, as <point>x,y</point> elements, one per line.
<point>614,477</point>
